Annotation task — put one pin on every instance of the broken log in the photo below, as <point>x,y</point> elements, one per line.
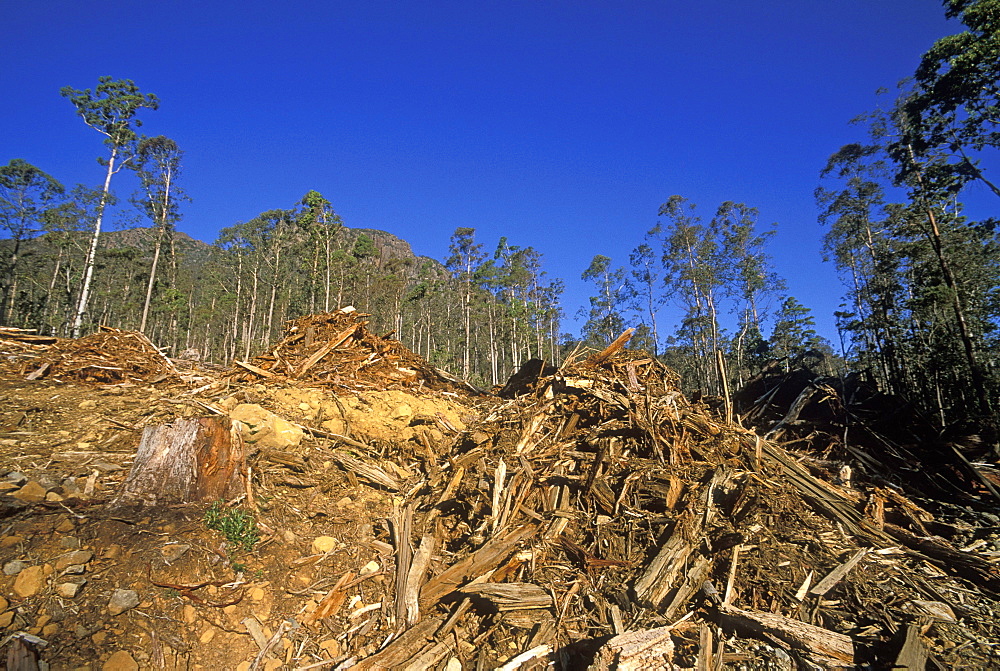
<point>610,350</point>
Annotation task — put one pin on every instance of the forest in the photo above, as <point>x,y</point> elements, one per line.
<point>920,280</point>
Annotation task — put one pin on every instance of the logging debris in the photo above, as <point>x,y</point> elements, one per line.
<point>601,519</point>
<point>594,518</point>
<point>110,356</point>
<point>335,350</point>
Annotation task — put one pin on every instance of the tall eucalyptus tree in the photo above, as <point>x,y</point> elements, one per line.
<point>111,110</point>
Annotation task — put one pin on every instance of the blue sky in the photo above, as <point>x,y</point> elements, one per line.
<point>562,125</point>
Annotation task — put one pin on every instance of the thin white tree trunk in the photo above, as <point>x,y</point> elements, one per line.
<point>88,272</point>
<point>162,225</point>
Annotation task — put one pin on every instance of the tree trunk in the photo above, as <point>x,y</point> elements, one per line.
<point>88,272</point>
<point>191,460</point>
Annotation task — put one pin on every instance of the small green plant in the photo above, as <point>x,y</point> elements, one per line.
<point>236,524</point>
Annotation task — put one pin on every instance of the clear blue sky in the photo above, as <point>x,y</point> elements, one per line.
<point>560,124</point>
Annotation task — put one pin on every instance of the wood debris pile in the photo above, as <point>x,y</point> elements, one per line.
<point>110,356</point>
<point>10,335</point>
<point>833,422</point>
<point>20,348</point>
<point>336,350</point>
<point>603,520</point>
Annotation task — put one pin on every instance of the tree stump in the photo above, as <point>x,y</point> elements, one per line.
<point>188,461</point>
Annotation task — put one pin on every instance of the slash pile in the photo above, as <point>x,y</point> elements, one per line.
<point>110,356</point>
<point>336,350</point>
<point>604,520</point>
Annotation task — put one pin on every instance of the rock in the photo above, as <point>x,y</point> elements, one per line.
<point>32,492</point>
<point>173,552</point>
<point>324,544</point>
<point>14,567</point>
<point>68,590</point>
<point>122,600</point>
<point>16,478</point>
<point>69,542</point>
<point>120,661</point>
<point>256,594</point>
<point>54,497</point>
<point>89,404</point>
<point>71,489</point>
<point>29,581</point>
<point>264,428</point>
<point>73,558</point>
<point>6,619</point>
<point>3,604</point>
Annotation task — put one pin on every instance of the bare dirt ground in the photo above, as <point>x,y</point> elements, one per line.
<point>65,437</point>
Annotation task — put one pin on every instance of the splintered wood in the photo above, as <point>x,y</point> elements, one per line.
<point>336,350</point>
<point>600,502</point>
<point>110,356</point>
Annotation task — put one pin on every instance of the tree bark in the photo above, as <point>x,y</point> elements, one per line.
<point>88,272</point>
<point>191,460</point>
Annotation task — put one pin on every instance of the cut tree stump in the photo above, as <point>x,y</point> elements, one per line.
<point>188,461</point>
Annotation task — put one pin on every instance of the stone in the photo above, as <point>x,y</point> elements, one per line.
<point>122,600</point>
<point>68,590</point>
<point>69,542</point>
<point>3,604</point>
<point>71,489</point>
<point>189,613</point>
<point>265,428</point>
<point>32,492</point>
<point>324,544</point>
<point>49,630</point>
<point>6,619</point>
<point>14,567</point>
<point>72,558</point>
<point>89,404</point>
<point>10,541</point>
<point>256,594</point>
<point>173,552</point>
<point>29,582</point>
<point>207,635</point>
<point>120,661</point>
<point>16,477</point>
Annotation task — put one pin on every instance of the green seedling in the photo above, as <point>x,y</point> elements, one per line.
<point>237,525</point>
